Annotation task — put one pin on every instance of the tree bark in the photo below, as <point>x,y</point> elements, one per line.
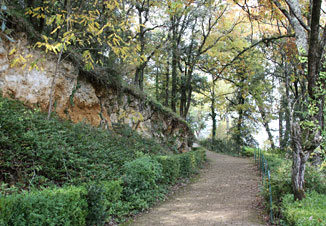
<point>213,114</point>
<point>53,84</point>
<point>299,158</point>
<point>305,139</point>
<point>266,125</point>
<point>174,67</point>
<point>139,76</point>
<point>156,85</point>
<point>167,78</point>
<point>280,124</point>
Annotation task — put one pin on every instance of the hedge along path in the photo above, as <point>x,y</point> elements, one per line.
<point>226,193</point>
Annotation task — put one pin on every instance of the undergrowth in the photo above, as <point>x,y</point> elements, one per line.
<point>53,172</point>
<point>38,152</point>
<point>287,211</point>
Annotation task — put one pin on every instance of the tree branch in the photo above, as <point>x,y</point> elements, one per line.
<point>264,40</point>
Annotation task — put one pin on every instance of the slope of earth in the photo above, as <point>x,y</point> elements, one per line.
<point>225,194</point>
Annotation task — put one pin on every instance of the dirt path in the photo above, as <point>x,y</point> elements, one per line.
<point>224,194</point>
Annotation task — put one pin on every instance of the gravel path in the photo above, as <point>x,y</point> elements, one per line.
<point>224,194</point>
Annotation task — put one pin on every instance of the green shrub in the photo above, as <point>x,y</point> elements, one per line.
<point>141,177</point>
<point>115,207</point>
<point>64,206</point>
<point>170,168</point>
<point>314,180</point>
<point>112,191</point>
<point>187,164</point>
<point>281,186</point>
<point>248,151</point>
<point>200,155</point>
<point>311,211</point>
<point>96,200</point>
<point>104,200</point>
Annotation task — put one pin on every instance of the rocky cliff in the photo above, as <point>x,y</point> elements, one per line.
<point>26,74</point>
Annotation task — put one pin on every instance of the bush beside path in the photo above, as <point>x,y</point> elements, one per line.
<point>226,193</point>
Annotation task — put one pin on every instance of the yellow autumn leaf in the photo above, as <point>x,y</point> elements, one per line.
<point>12,51</point>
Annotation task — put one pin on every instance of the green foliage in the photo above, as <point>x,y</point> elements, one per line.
<point>38,152</point>
<point>311,211</point>
<point>144,182</point>
<point>97,213</point>
<point>188,164</point>
<point>105,200</point>
<point>280,184</point>
<point>248,151</point>
<point>64,206</point>
<point>227,146</point>
<point>140,180</point>
<point>170,168</point>
<point>280,168</point>
<point>200,156</point>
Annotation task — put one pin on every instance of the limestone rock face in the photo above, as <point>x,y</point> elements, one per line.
<point>79,100</point>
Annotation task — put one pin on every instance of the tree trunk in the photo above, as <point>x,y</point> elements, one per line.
<point>42,20</point>
<point>167,78</point>
<point>239,123</point>
<point>280,124</point>
<point>299,163</point>
<point>312,139</point>
<point>286,103</point>
<point>156,85</point>
<point>174,65</point>
<point>213,116</point>
<point>189,93</point>
<point>266,125</point>
<point>53,84</point>
<point>183,97</point>
<point>139,76</point>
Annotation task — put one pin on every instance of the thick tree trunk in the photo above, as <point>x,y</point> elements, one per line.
<point>303,148</point>
<point>299,163</point>
<point>304,139</point>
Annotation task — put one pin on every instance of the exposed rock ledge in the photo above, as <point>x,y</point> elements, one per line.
<point>79,99</point>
